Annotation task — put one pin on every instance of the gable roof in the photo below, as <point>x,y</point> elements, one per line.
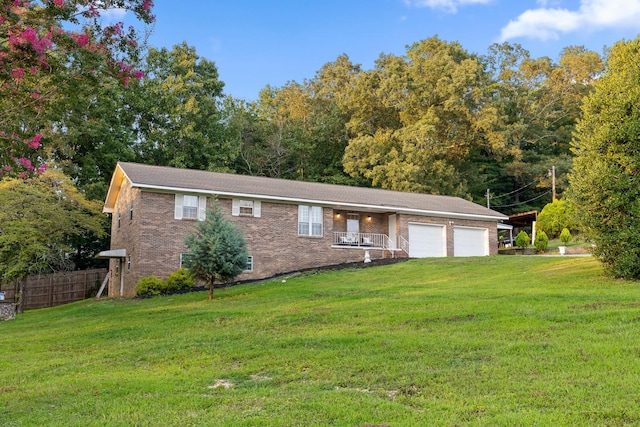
<point>174,180</point>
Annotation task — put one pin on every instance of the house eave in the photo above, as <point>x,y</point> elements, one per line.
<point>329,203</point>
<point>114,190</point>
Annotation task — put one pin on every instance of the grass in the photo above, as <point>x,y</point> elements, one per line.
<point>483,341</point>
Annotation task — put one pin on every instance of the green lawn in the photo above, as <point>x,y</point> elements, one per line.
<point>483,341</point>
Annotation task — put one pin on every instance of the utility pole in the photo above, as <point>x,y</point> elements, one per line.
<point>553,183</point>
<point>488,198</point>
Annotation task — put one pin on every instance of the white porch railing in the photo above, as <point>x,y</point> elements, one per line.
<point>403,244</point>
<point>360,240</point>
<point>347,239</point>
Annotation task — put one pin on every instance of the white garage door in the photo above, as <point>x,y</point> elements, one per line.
<point>468,241</point>
<point>426,240</point>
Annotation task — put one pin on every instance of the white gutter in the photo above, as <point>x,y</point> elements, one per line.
<point>381,208</point>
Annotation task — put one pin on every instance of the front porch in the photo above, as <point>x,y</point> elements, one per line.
<point>367,231</point>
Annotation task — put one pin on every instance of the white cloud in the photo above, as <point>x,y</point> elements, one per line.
<point>592,15</point>
<point>448,5</point>
<point>113,14</point>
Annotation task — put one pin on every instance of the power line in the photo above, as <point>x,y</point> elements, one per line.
<point>514,191</point>
<point>522,203</point>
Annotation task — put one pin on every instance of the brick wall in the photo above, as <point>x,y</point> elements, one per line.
<point>125,234</point>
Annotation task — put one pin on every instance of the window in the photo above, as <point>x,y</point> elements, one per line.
<point>185,260</point>
<point>190,207</point>
<point>246,208</point>
<point>131,212</point>
<point>119,217</point>
<point>249,268</point>
<point>309,220</point>
<point>129,263</point>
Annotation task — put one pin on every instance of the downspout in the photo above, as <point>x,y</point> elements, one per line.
<point>121,261</point>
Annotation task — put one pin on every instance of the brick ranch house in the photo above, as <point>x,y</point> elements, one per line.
<point>288,225</point>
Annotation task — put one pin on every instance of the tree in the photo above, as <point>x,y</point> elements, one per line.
<point>605,183</point>
<point>537,103</point>
<point>555,216</point>
<point>417,118</point>
<point>217,250</point>
<point>542,241</point>
<point>41,220</point>
<point>42,63</point>
<point>179,123</point>
<point>95,129</point>
<point>523,240</point>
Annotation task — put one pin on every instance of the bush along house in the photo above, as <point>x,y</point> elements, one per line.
<point>288,225</point>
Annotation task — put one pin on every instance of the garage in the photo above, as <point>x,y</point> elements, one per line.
<point>427,240</point>
<point>470,241</point>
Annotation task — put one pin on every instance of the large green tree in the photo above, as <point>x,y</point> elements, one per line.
<point>43,222</point>
<point>179,122</point>
<point>94,130</point>
<point>417,118</point>
<point>217,250</point>
<point>605,181</point>
<point>537,103</point>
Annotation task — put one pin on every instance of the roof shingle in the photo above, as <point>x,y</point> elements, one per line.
<point>174,179</point>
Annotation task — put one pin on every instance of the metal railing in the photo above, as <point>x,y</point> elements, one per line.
<point>360,240</point>
<point>403,244</point>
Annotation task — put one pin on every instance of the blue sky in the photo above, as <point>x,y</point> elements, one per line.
<point>259,42</point>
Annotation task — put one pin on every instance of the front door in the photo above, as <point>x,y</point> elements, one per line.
<point>353,224</point>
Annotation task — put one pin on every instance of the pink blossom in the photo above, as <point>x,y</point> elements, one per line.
<point>81,39</point>
<point>35,95</point>
<point>26,163</point>
<point>34,144</point>
<point>17,74</point>
<point>41,169</point>
<point>58,3</point>
<point>138,74</point>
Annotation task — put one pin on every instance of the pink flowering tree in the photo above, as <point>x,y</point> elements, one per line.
<point>48,49</point>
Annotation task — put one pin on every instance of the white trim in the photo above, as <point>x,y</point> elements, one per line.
<point>177,211</point>
<point>250,262</point>
<point>338,205</point>
<point>202,208</point>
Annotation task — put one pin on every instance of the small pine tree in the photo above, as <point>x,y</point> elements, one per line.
<point>523,240</point>
<point>565,236</point>
<point>217,250</point>
<point>542,241</point>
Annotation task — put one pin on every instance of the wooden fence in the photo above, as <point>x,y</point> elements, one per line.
<point>48,290</point>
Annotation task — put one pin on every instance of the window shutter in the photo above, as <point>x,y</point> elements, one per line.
<point>202,208</point>
<point>257,209</point>
<point>177,214</point>
<point>235,207</point>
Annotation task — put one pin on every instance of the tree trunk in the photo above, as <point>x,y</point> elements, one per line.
<point>19,296</point>
<point>210,291</point>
